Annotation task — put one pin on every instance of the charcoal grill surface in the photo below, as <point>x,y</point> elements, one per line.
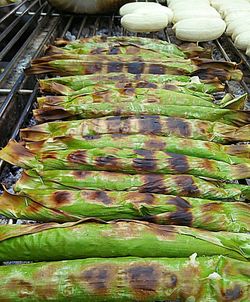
<point>24,33</point>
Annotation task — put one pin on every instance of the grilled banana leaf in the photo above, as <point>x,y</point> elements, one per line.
<point>182,185</point>
<point>232,154</point>
<point>71,205</point>
<point>127,49</point>
<point>137,95</point>
<point>156,125</point>
<point>84,65</point>
<point>108,92</point>
<point>189,50</point>
<point>79,110</point>
<point>71,84</point>
<point>123,45</point>
<point>127,279</point>
<point>123,160</point>
<point>91,239</point>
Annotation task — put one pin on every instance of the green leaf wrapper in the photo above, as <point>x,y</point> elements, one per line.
<point>157,125</point>
<point>182,185</point>
<point>123,160</point>
<point>71,205</point>
<point>76,240</point>
<point>127,280</point>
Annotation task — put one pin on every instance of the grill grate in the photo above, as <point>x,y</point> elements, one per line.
<point>20,44</point>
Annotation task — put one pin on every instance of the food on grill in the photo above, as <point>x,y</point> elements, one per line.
<point>179,3</point>
<point>145,17</point>
<point>151,22</point>
<point>127,279</point>
<point>92,239</point>
<point>157,125</point>
<point>123,160</point>
<point>99,64</point>
<point>232,154</point>
<point>235,25</point>
<point>240,30</point>
<point>199,29</point>
<point>236,15</point>
<point>146,137</point>
<point>71,205</point>
<point>206,13</point>
<point>171,96</point>
<point>145,10</point>
<point>97,43</point>
<point>242,41</point>
<point>196,21</point>
<point>109,94</point>
<point>78,110</point>
<point>130,8</point>
<point>128,45</point>
<point>182,185</point>
<point>100,89</point>
<point>72,84</point>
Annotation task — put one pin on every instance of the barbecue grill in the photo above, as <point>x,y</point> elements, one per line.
<point>24,33</point>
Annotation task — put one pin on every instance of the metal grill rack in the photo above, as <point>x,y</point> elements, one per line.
<point>24,33</point>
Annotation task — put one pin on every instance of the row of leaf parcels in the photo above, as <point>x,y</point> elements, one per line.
<point>123,160</point>
<point>127,45</point>
<point>75,84</point>
<point>156,125</point>
<point>90,239</point>
<point>137,95</point>
<point>214,279</point>
<point>70,63</point>
<point>109,94</point>
<point>78,109</point>
<point>72,205</point>
<point>179,185</point>
<point>231,154</point>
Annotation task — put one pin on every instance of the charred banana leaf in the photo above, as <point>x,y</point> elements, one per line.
<point>122,45</point>
<point>123,160</point>
<point>76,240</point>
<point>127,280</point>
<point>79,110</point>
<point>71,205</point>
<point>156,125</point>
<point>232,154</point>
<point>137,95</point>
<point>182,185</point>
<point>189,50</point>
<point>84,65</point>
<point>71,84</point>
<point>118,49</point>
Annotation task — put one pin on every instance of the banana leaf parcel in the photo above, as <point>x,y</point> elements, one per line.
<point>133,46</point>
<point>182,185</point>
<point>77,109</point>
<point>101,64</point>
<point>128,49</point>
<point>157,125</point>
<point>69,85</point>
<point>102,93</point>
<point>76,240</point>
<point>123,160</point>
<point>137,95</point>
<point>72,205</point>
<point>232,154</point>
<point>129,279</point>
<point>189,50</point>
<point>118,46</point>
